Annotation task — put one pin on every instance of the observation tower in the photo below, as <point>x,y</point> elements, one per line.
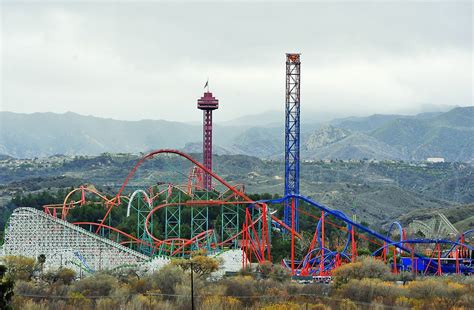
<point>207,104</point>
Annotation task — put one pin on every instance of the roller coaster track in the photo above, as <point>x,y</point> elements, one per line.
<point>31,232</point>
<point>437,226</point>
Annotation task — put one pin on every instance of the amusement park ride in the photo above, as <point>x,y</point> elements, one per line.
<point>222,217</point>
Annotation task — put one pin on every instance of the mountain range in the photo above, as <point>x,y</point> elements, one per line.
<point>384,137</point>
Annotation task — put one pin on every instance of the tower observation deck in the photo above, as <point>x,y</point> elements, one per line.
<point>207,103</point>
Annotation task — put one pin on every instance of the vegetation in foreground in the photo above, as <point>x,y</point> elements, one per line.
<point>365,284</point>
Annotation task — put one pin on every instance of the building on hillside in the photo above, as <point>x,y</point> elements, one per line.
<point>435,159</point>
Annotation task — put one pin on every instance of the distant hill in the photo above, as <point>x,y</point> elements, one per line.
<point>261,142</point>
<point>449,135</point>
<point>397,137</point>
<point>324,136</point>
<point>364,123</point>
<point>350,146</point>
<point>375,121</point>
<point>45,134</point>
<point>265,119</point>
<point>196,147</point>
<point>457,117</point>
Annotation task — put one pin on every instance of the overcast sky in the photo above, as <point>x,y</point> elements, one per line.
<point>151,59</point>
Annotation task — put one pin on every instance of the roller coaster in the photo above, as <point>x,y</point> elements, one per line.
<point>228,219</point>
<point>221,217</point>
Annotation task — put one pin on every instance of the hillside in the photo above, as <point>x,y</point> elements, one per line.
<point>45,134</point>
<point>377,192</point>
<point>334,143</point>
<point>449,135</point>
<point>261,142</point>
<point>372,122</point>
<point>364,123</point>
<point>324,136</point>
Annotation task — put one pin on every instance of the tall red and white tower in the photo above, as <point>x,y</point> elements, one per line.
<point>207,103</point>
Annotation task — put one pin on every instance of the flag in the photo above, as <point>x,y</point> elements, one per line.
<point>207,84</point>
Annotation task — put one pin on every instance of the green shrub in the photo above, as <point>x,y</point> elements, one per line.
<point>139,286</point>
<point>265,268</point>
<point>96,285</point>
<point>262,287</point>
<point>429,288</point>
<point>242,288</point>
<point>221,302</point>
<point>316,289</point>
<point>66,275</point>
<point>63,275</point>
<point>79,301</point>
<point>445,293</point>
<point>280,273</point>
<point>365,267</point>
<point>19,267</point>
<point>367,290</point>
<point>167,278</point>
<point>347,304</point>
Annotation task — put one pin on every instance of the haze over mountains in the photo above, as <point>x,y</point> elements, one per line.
<point>449,135</point>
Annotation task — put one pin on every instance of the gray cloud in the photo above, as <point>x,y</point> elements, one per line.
<point>150,60</point>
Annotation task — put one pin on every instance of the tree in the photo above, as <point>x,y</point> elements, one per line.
<point>279,247</point>
<point>41,260</point>
<point>201,264</point>
<point>19,267</point>
<point>6,289</point>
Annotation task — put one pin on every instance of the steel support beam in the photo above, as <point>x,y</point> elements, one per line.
<point>292,137</point>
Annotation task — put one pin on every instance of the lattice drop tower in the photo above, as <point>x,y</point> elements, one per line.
<point>292,136</point>
<point>207,103</point>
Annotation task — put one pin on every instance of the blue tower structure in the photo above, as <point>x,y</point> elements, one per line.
<point>292,135</point>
